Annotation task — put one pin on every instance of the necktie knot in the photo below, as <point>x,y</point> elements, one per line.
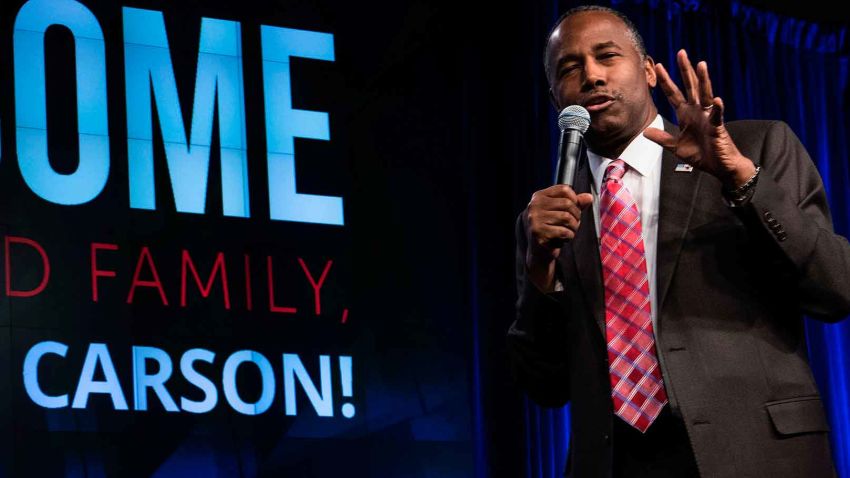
<point>615,171</point>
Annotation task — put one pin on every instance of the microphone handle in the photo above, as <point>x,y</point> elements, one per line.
<point>570,150</point>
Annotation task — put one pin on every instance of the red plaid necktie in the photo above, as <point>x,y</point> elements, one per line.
<point>636,386</point>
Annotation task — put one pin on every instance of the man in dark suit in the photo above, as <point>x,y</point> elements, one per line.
<point>663,297</point>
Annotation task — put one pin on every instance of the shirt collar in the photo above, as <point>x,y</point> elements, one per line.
<point>641,154</point>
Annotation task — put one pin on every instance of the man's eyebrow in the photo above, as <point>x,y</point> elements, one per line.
<point>596,48</point>
<point>607,44</point>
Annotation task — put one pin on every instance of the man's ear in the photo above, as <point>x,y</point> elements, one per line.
<point>649,69</point>
<point>553,100</point>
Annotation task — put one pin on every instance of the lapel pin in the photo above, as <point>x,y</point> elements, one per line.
<point>684,168</point>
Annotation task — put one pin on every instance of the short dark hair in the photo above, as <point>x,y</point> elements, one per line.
<point>637,40</point>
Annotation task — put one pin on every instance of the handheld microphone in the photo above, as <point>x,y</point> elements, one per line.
<point>573,122</point>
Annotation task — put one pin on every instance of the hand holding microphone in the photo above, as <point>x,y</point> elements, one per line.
<point>554,214</point>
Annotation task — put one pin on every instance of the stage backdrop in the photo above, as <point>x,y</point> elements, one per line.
<point>230,245</point>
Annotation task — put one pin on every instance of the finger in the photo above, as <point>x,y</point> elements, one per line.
<point>574,211</point>
<point>555,197</point>
<point>671,91</point>
<point>541,230</point>
<point>584,200</point>
<point>565,205</point>
<point>706,95</point>
<point>551,236</point>
<point>661,137</point>
<point>690,82</point>
<point>716,116</point>
<point>556,218</point>
<point>689,78</point>
<point>563,219</point>
<point>541,209</point>
<point>560,191</point>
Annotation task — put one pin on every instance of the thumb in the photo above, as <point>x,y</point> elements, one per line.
<point>583,200</point>
<point>665,139</point>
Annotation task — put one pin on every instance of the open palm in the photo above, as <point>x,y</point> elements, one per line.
<point>703,141</point>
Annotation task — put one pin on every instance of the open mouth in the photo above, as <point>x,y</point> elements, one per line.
<point>598,102</point>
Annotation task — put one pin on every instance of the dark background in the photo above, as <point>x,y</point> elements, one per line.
<point>400,267</point>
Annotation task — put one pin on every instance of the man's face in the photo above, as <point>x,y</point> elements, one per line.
<point>593,62</point>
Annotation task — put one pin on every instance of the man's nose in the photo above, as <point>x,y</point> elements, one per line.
<point>594,75</point>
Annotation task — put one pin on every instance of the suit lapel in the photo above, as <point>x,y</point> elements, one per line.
<point>586,251</point>
<point>676,204</point>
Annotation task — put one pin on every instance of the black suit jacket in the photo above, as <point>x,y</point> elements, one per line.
<point>733,285</point>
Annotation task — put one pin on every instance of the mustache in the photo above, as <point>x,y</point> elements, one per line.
<point>612,94</point>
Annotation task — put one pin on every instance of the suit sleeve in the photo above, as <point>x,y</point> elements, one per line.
<point>790,203</point>
<point>536,339</point>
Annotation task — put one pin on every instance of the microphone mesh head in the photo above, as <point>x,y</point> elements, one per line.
<point>574,117</point>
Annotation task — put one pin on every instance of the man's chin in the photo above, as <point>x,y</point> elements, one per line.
<point>603,127</point>
<point>605,134</point>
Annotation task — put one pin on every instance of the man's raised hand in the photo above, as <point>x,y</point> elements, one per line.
<point>703,141</point>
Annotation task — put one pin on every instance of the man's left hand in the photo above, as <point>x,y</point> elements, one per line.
<point>703,141</point>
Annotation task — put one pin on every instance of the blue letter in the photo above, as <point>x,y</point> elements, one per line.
<point>111,385</point>
<point>142,381</point>
<point>88,180</point>
<point>31,374</point>
<point>198,380</point>
<point>266,377</point>
<point>292,366</point>
<point>148,63</point>
<point>283,124</point>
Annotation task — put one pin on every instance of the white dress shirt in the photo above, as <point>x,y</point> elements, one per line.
<point>643,180</point>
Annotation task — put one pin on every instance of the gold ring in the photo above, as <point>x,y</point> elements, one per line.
<point>707,108</point>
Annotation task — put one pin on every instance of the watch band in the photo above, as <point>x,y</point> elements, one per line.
<point>740,194</point>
